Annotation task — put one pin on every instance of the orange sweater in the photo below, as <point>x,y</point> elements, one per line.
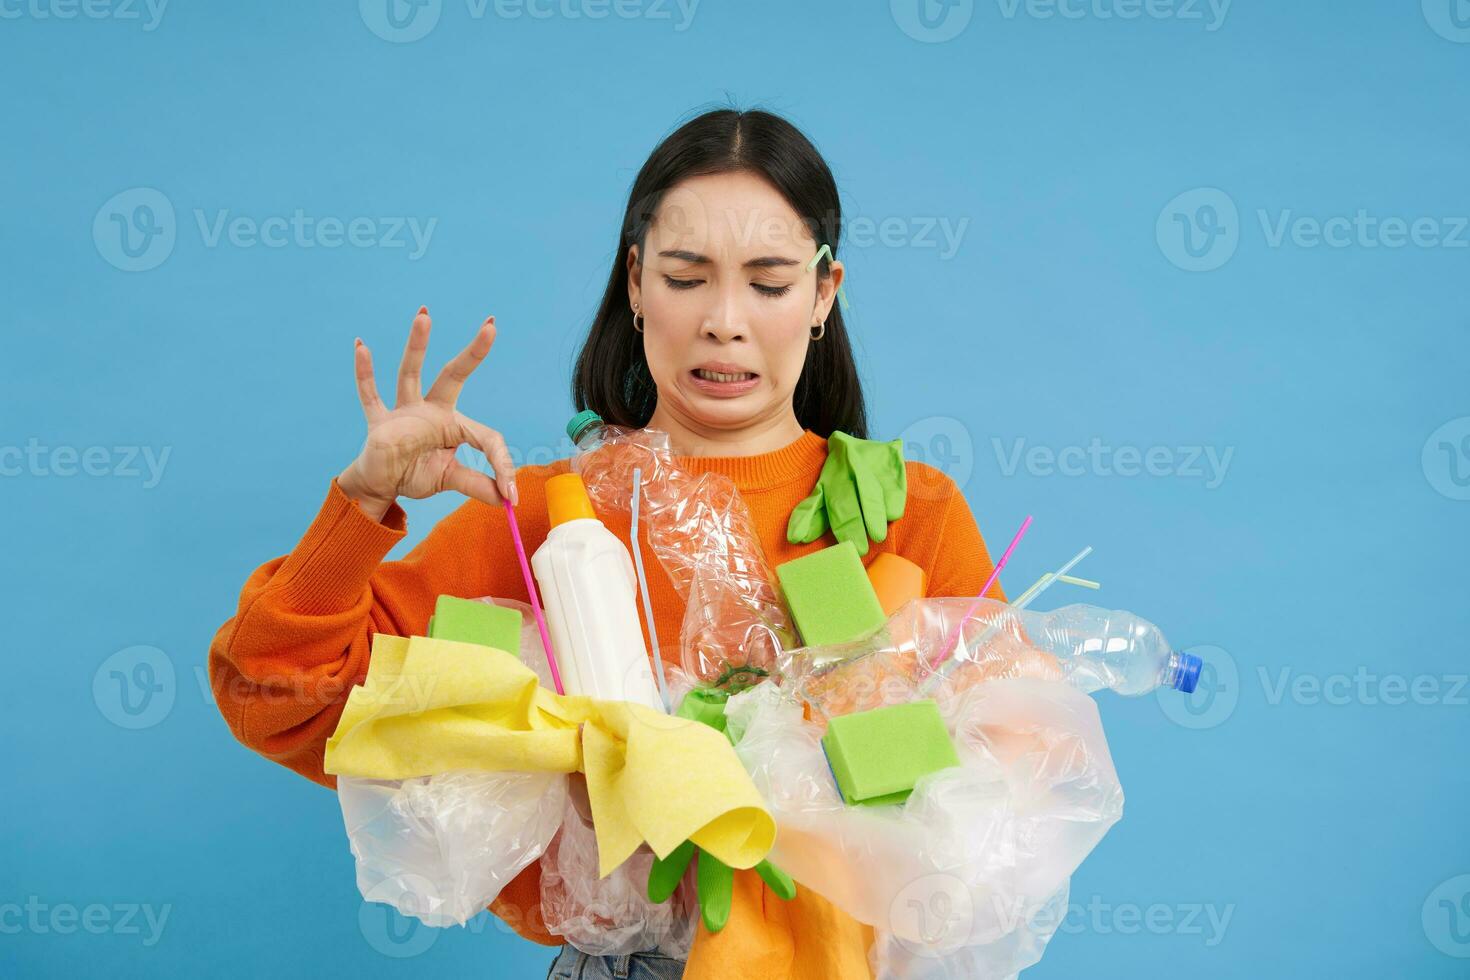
<point>299,640</point>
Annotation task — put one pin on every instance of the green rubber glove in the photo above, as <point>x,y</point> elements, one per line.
<point>706,706</point>
<point>862,487</point>
<point>714,880</point>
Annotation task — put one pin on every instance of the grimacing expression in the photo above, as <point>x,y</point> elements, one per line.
<point>727,301</point>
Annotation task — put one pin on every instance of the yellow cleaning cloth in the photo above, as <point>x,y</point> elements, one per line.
<point>430,706</point>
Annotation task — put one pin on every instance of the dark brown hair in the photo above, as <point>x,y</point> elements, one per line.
<point>612,376</point>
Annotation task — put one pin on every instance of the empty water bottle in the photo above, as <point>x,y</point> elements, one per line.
<point>937,642</point>
<point>1110,648</point>
<point>1093,648</point>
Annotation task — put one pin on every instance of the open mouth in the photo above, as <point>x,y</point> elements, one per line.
<point>724,384</point>
<point>723,377</point>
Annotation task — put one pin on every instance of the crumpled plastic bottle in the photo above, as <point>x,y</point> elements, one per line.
<point>735,623</point>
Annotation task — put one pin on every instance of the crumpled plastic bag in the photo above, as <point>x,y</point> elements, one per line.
<point>952,878</point>
<point>893,958</point>
<point>432,705</point>
<point>609,916</point>
<point>425,845</point>
<point>440,848</point>
<point>438,826</point>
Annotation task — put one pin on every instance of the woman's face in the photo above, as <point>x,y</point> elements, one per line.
<point>727,302</point>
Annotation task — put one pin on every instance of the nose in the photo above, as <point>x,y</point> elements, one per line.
<point>725,322</point>
<point>721,332</point>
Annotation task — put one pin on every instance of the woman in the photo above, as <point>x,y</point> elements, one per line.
<point>712,329</point>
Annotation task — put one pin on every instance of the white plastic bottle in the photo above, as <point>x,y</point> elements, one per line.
<point>589,589</point>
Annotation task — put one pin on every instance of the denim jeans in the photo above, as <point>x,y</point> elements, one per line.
<point>573,964</point>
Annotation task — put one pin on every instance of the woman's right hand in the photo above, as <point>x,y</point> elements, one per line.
<point>410,449</point>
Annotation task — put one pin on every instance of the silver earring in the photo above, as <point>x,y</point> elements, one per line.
<point>819,330</point>
<point>636,328</point>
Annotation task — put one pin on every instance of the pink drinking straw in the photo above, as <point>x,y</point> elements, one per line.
<point>954,638</point>
<point>515,535</point>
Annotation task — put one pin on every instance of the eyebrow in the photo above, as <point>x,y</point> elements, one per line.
<point>764,262</point>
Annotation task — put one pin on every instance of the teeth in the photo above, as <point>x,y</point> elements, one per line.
<point>717,376</point>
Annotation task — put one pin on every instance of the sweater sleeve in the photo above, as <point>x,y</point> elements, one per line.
<point>282,666</point>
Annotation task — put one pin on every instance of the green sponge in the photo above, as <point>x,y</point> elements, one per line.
<point>876,756</point>
<point>469,621</point>
<point>830,595</point>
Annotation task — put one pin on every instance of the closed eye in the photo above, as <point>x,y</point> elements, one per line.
<point>764,290</point>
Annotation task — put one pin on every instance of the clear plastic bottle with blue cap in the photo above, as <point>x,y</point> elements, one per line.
<point>937,641</point>
<point>1100,648</point>
<point>1085,646</point>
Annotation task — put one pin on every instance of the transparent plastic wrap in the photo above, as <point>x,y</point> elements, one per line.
<point>699,527</point>
<point>952,878</point>
<point>931,648</point>
<point>893,958</point>
<point>440,848</point>
<point>609,916</point>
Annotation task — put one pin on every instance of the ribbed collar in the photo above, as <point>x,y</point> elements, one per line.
<point>796,462</point>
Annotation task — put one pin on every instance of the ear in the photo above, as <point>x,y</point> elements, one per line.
<point>827,291</point>
<point>635,276</point>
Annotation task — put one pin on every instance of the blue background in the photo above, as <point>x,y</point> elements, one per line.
<point>1333,546</point>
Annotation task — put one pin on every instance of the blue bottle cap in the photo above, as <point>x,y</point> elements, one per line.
<point>1188,675</point>
<point>581,422</point>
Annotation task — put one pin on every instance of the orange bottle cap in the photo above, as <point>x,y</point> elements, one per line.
<point>567,500</point>
<point>896,580</point>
